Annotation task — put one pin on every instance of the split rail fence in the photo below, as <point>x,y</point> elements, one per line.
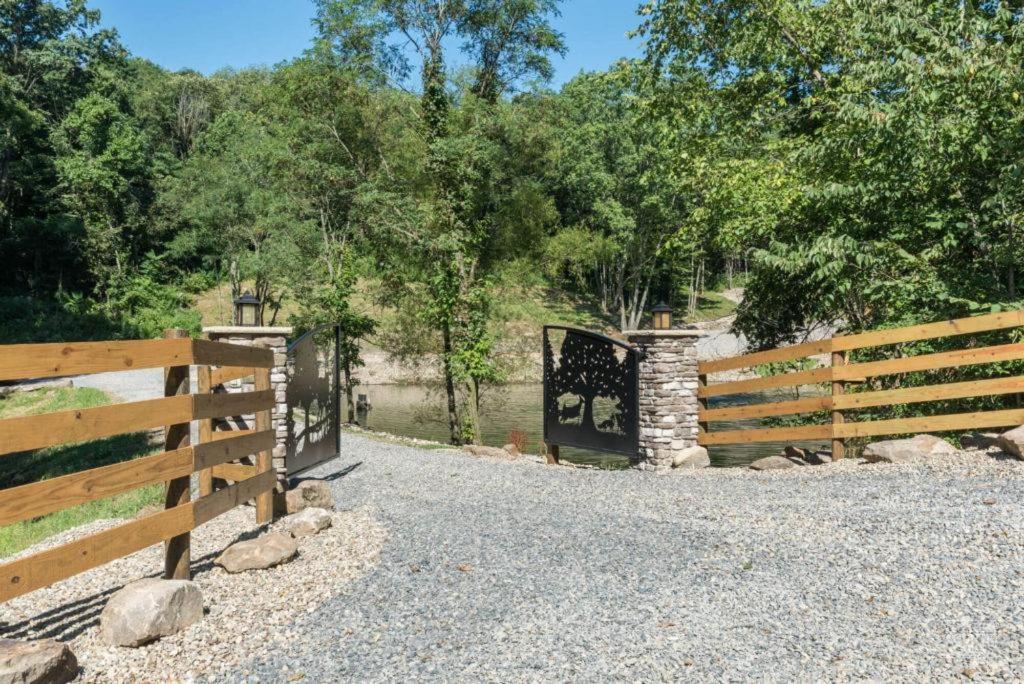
<point>840,375</point>
<point>212,457</point>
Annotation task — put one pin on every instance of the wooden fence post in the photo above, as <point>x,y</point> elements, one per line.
<point>264,460</point>
<point>838,387</point>
<point>177,550</point>
<point>204,386</point>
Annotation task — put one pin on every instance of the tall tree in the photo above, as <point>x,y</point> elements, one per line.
<point>506,36</point>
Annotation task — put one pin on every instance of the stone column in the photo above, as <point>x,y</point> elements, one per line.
<point>275,339</point>
<point>668,400</point>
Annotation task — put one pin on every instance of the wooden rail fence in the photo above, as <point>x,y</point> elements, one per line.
<point>841,374</point>
<point>211,457</point>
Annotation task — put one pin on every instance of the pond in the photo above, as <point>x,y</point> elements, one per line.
<point>418,411</point>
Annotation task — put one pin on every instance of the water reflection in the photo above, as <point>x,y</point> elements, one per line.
<point>418,411</point>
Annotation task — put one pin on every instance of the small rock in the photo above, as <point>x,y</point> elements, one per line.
<point>776,463</point>
<point>149,609</point>
<point>308,522</point>
<point>309,494</point>
<point>980,440</point>
<point>36,662</point>
<point>906,450</point>
<point>260,553</point>
<point>1012,442</point>
<point>691,458</point>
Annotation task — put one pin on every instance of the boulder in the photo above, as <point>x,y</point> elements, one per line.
<point>36,662</point>
<point>980,440</point>
<point>511,450</point>
<point>906,450</point>
<point>489,452</point>
<point>308,522</point>
<point>691,458</point>
<point>1012,442</point>
<point>149,609</point>
<point>260,553</point>
<point>309,494</point>
<point>776,463</point>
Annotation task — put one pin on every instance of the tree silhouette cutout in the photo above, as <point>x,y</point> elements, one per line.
<point>589,367</point>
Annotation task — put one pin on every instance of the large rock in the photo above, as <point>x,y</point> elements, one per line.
<point>906,450</point>
<point>36,662</point>
<point>308,522</point>
<point>489,452</point>
<point>691,458</point>
<point>309,494</point>
<point>260,553</point>
<point>1012,442</point>
<point>776,463</point>
<point>149,609</point>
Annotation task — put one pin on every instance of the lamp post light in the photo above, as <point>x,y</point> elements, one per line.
<point>247,310</point>
<point>662,315</point>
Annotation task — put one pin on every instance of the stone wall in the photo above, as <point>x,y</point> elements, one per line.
<point>668,395</point>
<point>275,339</point>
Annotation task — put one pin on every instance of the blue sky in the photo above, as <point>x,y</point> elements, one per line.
<point>209,34</point>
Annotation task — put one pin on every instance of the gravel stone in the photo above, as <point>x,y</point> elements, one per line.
<point>249,615</point>
<point>846,572</point>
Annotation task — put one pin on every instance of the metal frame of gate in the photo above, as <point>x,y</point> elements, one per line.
<point>557,433</point>
<point>303,388</point>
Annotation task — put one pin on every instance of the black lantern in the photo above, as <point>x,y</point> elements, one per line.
<point>247,309</point>
<point>662,314</point>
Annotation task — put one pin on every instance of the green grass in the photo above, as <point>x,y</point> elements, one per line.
<point>711,306</point>
<point>43,464</point>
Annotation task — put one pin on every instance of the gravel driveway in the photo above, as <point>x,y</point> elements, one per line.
<point>521,572</point>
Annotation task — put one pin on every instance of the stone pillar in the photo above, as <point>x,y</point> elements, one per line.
<point>275,339</point>
<point>668,399</point>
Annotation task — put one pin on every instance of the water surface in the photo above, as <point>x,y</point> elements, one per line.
<point>418,411</point>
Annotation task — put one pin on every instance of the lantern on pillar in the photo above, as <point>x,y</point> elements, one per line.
<point>247,309</point>
<point>662,315</point>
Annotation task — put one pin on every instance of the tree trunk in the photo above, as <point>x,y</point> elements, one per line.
<point>474,410</point>
<point>347,369</point>
<point>449,386</point>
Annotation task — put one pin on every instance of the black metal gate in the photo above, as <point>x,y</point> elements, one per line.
<point>590,391</point>
<point>314,399</point>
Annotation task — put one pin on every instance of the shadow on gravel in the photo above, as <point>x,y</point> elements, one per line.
<point>344,472</point>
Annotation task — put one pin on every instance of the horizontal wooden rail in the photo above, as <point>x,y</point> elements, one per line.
<point>780,434</point>
<point>951,359</point>
<point>928,331</point>
<point>40,498</point>
<point>228,434</point>
<point>778,408</point>
<point>221,376</point>
<point>59,359</point>
<point>797,351</point>
<point>46,567</point>
<point>958,421</point>
<point>235,472</point>
<point>231,404</point>
<point>917,395</point>
<point>80,425</point>
<point>208,353</point>
<point>807,377</point>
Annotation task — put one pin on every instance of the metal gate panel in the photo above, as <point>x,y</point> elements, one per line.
<point>591,391</point>
<point>313,416</point>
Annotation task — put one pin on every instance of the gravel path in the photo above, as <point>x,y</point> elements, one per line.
<point>247,615</point>
<point>521,572</point>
